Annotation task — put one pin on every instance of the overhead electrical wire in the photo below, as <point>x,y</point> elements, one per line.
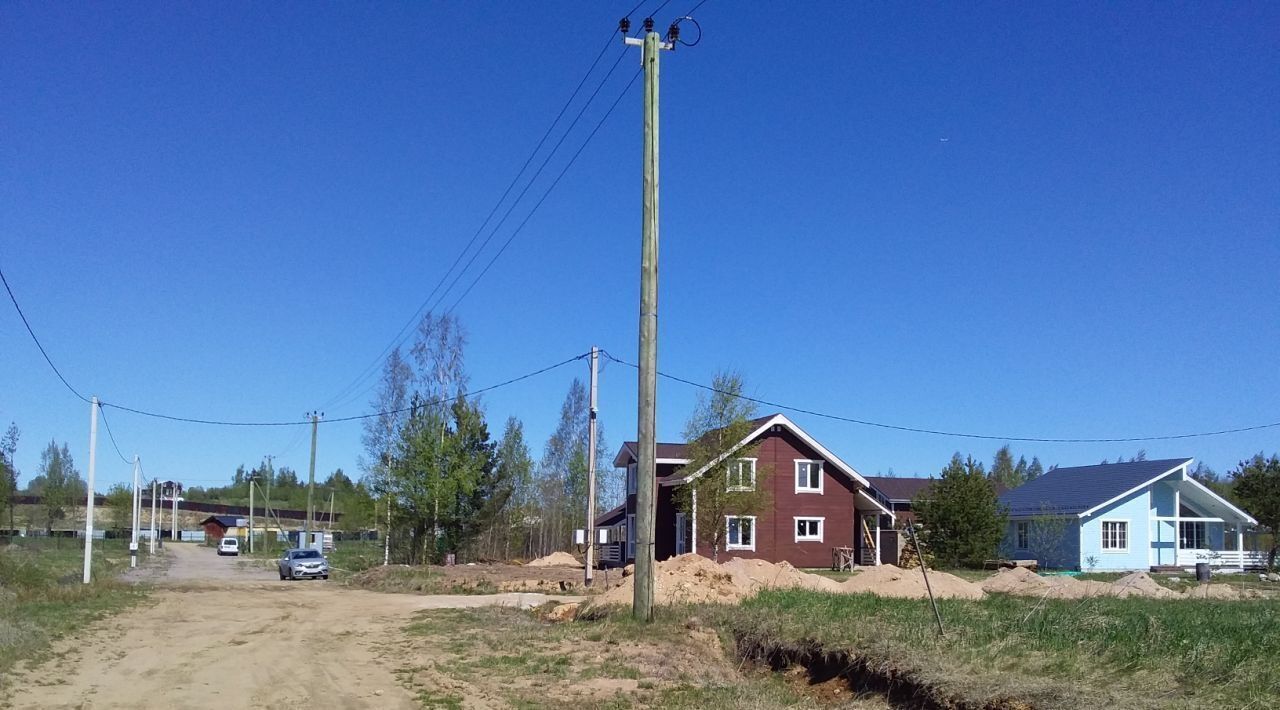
<point>545,194</point>
<point>938,432</point>
<point>336,420</point>
<point>36,340</point>
<point>112,436</point>
<point>399,338</point>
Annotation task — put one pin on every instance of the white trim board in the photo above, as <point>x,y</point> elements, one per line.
<point>1133,490</point>
<point>779,420</point>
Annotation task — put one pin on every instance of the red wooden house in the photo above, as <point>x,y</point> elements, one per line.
<point>817,503</point>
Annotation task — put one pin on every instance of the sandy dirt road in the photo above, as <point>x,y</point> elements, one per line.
<point>220,632</point>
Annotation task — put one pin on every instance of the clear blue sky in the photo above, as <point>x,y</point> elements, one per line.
<point>1012,219</point>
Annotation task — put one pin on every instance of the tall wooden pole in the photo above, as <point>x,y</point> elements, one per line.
<point>591,470</point>
<point>311,481</point>
<point>642,601</point>
<point>251,514</point>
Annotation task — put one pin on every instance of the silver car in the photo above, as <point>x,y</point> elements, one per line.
<point>299,564</point>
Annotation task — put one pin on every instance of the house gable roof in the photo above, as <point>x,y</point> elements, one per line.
<point>899,490</point>
<point>667,453</point>
<point>1080,490</point>
<point>226,521</point>
<point>763,424</point>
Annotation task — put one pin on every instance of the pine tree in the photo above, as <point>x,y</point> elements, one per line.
<point>1257,485</point>
<point>962,518</point>
<point>1036,469</point>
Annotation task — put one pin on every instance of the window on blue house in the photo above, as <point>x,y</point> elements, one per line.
<point>1115,535</point>
<point>1192,535</point>
<point>1023,533</point>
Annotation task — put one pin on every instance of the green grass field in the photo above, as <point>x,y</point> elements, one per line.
<point>42,596</point>
<point>1054,653</point>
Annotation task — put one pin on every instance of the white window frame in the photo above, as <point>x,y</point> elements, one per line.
<point>754,533</point>
<point>1203,533</point>
<point>795,476</point>
<point>729,475</point>
<point>631,536</point>
<point>822,525</point>
<point>682,545</point>
<point>1022,535</point>
<point>1103,531</point>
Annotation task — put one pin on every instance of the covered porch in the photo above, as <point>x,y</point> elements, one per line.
<point>1191,524</point>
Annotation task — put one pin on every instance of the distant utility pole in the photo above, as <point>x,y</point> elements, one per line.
<point>271,474</point>
<point>155,529</point>
<point>311,477</point>
<point>251,477</point>
<point>173,517</point>
<point>591,471</point>
<point>642,600</point>
<point>137,513</point>
<point>88,510</point>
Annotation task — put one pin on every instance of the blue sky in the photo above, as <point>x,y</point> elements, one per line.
<point>1006,219</point>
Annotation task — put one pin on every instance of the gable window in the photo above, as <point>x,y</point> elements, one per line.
<point>809,529</point>
<point>808,476</point>
<point>1192,535</point>
<point>631,478</point>
<point>1022,530</point>
<point>741,532</point>
<point>1115,536</point>
<point>742,475</point>
<point>631,537</point>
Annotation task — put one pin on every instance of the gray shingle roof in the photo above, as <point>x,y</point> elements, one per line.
<point>899,489</point>
<point>1069,491</point>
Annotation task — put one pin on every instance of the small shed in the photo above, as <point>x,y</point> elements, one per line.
<point>217,527</point>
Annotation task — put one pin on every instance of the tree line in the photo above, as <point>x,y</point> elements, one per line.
<point>448,485</point>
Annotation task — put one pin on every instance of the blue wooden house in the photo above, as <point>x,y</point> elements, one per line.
<point>1126,516</point>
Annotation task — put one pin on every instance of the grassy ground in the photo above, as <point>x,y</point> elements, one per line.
<point>511,658</point>
<point>1123,652</point>
<point>42,596</point>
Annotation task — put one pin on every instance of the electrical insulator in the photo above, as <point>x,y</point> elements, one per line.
<point>648,24</point>
<point>624,25</point>
<point>673,32</point>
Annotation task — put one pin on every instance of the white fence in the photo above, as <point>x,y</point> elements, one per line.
<point>1224,558</point>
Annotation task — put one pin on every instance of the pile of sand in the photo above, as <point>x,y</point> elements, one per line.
<point>892,581</point>
<point>1016,580</point>
<point>687,579</point>
<point>759,574</point>
<point>1022,582</point>
<point>555,559</point>
<point>1140,584</point>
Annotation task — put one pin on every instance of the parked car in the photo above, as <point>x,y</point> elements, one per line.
<point>228,546</point>
<point>300,564</point>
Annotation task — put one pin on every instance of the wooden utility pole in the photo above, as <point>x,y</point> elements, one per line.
<point>311,479</point>
<point>251,477</point>
<point>88,511</point>
<point>642,601</point>
<point>155,529</point>
<point>591,471</point>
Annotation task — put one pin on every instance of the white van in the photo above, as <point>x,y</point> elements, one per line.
<point>229,546</point>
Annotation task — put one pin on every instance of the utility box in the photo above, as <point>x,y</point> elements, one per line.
<point>579,537</point>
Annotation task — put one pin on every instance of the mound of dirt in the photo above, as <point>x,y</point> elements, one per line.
<point>1140,584</point>
<point>555,559</point>
<point>686,579</point>
<point>1017,580</point>
<point>759,574</point>
<point>892,581</point>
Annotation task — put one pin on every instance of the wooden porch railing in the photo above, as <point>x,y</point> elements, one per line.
<point>1222,558</point>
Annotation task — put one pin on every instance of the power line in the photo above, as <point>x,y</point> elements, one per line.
<point>47,359</point>
<point>937,432</point>
<point>399,337</point>
<point>443,400</point>
<point>112,436</point>
<point>551,187</point>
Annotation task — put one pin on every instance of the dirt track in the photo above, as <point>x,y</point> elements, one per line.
<point>223,633</point>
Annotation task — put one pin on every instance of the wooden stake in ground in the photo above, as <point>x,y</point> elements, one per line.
<point>911,528</point>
